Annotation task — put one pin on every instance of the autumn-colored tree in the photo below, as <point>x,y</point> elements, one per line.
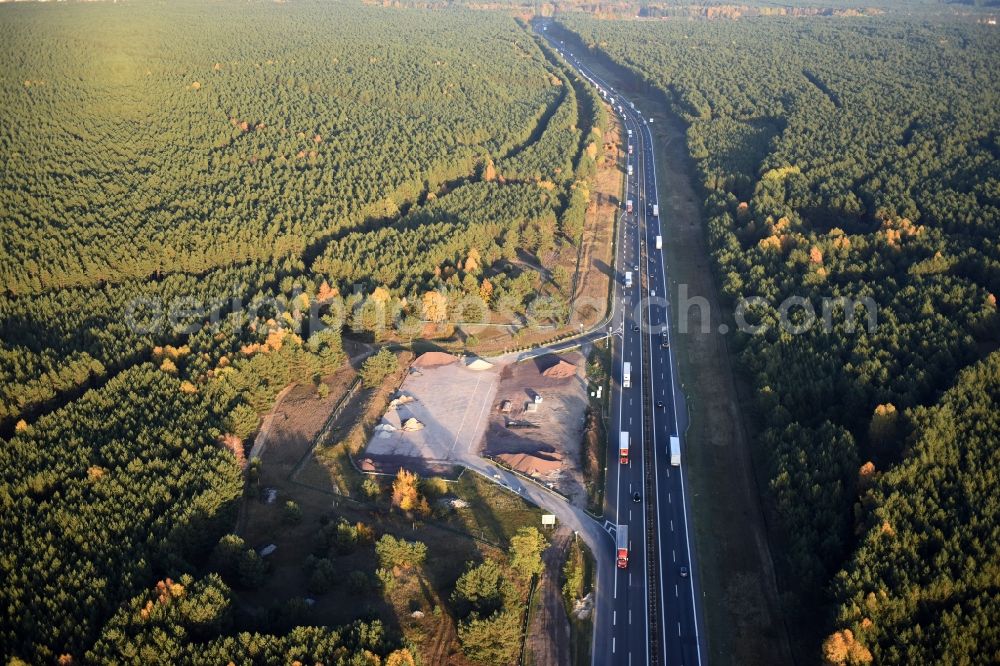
<point>435,306</point>
<point>400,658</point>
<point>405,492</point>
<point>882,429</point>
<point>472,261</point>
<point>486,291</point>
<point>842,649</point>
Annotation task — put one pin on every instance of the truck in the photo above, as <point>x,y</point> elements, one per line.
<point>612,100</point>
<point>630,149</point>
<point>621,539</point>
<point>659,242</point>
<point>623,448</point>
<point>627,375</point>
<point>675,451</point>
<point>664,338</point>
<point>630,169</point>
<point>630,134</point>
<point>628,279</point>
<point>628,204</point>
<point>656,210</point>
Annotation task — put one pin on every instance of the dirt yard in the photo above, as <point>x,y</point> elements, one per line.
<point>542,439</point>
<point>548,633</point>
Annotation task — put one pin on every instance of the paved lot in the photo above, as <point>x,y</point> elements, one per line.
<point>451,402</point>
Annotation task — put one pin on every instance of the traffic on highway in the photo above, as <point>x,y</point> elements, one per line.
<point>652,613</point>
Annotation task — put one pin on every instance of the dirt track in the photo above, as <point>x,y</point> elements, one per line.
<point>548,635</point>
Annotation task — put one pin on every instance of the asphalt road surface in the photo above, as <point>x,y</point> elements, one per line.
<point>647,612</point>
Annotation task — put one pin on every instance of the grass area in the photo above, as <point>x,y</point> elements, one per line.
<point>493,514</point>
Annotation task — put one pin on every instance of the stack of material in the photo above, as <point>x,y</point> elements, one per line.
<point>478,364</point>
<point>561,370</point>
<point>401,400</point>
<point>411,424</point>
<point>433,359</point>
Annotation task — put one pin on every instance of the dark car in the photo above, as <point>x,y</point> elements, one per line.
<point>636,497</point>
<point>636,328</point>
<point>659,403</point>
<point>684,572</point>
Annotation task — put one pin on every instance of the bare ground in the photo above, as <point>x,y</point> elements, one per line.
<point>548,633</point>
<point>545,443</point>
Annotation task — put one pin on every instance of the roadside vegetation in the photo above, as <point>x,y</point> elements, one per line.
<point>861,164</point>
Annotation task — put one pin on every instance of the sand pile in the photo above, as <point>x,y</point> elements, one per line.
<point>412,425</point>
<point>560,370</point>
<point>401,400</point>
<point>479,364</point>
<point>433,359</point>
<point>535,464</point>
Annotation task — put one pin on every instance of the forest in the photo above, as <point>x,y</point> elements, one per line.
<point>194,196</point>
<point>857,159</point>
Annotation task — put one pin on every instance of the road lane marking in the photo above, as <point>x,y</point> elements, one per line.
<point>671,524</point>
<point>678,628</point>
<point>614,618</point>
<point>674,551</point>
<point>677,591</point>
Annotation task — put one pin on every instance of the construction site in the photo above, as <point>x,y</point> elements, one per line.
<point>448,411</point>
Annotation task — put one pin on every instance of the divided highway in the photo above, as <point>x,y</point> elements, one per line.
<point>652,615</point>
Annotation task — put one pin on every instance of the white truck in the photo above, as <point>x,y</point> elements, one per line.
<point>656,210</point>
<point>627,375</point>
<point>628,203</point>
<point>630,134</point>
<point>675,451</point>
<point>621,541</point>
<point>630,149</point>
<point>630,169</point>
<point>628,279</point>
<point>623,448</point>
<point>664,338</point>
<point>659,242</point>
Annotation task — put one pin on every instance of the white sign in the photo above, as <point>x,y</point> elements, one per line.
<point>548,519</point>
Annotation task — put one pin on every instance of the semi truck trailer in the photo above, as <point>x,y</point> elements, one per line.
<point>627,375</point>
<point>675,451</point>
<point>659,242</point>
<point>621,537</point>
<point>623,448</point>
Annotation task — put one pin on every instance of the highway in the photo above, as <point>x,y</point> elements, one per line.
<point>653,605</point>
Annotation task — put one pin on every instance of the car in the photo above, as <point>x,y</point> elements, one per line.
<point>684,572</point>
<point>636,328</point>
<point>636,497</point>
<point>637,268</point>
<point>659,403</point>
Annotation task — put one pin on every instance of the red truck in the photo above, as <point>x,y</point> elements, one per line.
<point>622,536</point>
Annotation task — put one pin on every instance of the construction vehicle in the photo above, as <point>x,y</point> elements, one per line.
<point>623,448</point>
<point>675,451</point>
<point>627,375</point>
<point>621,535</point>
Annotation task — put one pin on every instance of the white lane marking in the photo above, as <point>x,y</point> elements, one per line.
<point>674,551</point>
<point>614,616</point>
<point>677,592</point>
<point>678,628</point>
<point>670,498</point>
<point>671,524</point>
<point>612,645</point>
<point>630,616</point>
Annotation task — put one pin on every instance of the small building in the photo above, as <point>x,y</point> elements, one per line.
<point>506,406</point>
<point>267,550</point>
